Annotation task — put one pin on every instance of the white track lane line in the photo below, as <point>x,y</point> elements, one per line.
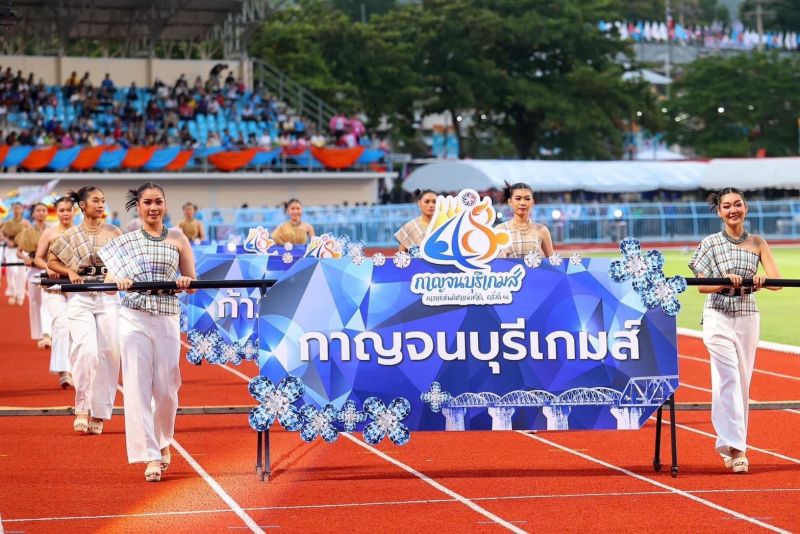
<point>447,491</point>
<point>409,502</point>
<point>760,371</point>
<point>671,489</point>
<point>665,420</point>
<point>1,524</point>
<point>213,484</point>
<point>460,498</point>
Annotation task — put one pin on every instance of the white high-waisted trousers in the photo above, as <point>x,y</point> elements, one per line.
<point>16,276</point>
<point>92,319</point>
<point>151,378</point>
<point>40,320</point>
<point>61,359</point>
<point>731,342</point>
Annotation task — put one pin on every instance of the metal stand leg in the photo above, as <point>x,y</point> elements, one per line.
<point>263,467</point>
<point>673,437</point>
<point>657,456</point>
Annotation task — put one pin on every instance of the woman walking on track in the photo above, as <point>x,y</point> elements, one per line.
<point>526,235</point>
<point>731,320</point>
<point>15,278</point>
<point>413,232</point>
<point>149,327</point>
<point>293,231</point>
<point>61,359</point>
<point>27,242</point>
<point>192,227</point>
<point>92,316</point>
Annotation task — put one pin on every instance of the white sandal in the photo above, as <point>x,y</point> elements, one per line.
<point>81,423</point>
<point>740,465</point>
<point>153,471</point>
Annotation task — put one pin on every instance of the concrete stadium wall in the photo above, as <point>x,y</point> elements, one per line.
<point>55,70</point>
<point>208,191</point>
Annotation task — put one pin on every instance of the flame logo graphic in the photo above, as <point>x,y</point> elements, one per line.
<point>258,241</point>
<point>461,232</point>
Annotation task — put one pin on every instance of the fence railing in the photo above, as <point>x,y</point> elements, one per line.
<point>568,223</point>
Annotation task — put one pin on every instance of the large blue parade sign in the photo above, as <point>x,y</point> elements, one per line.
<point>455,339</point>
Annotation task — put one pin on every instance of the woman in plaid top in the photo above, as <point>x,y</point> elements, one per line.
<point>731,319</point>
<point>526,235</point>
<point>413,232</point>
<point>91,316</point>
<point>149,327</point>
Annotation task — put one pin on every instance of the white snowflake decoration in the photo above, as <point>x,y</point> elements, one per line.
<point>401,260</point>
<point>533,259</point>
<point>378,259</point>
<point>575,259</point>
<point>287,257</point>
<point>556,259</point>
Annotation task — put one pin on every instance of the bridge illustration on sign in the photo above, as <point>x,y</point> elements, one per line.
<point>626,406</point>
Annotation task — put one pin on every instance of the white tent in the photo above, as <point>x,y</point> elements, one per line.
<point>607,176</point>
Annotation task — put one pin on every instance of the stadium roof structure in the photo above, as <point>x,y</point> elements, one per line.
<point>147,21</point>
<point>608,176</point>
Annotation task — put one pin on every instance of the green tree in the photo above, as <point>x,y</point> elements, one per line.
<point>734,106</point>
<point>562,90</point>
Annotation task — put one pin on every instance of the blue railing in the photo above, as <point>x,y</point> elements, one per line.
<point>568,223</point>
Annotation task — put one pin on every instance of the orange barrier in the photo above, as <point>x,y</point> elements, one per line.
<point>138,156</point>
<point>87,158</point>
<point>180,160</point>
<point>38,159</point>
<point>231,161</point>
<point>337,158</point>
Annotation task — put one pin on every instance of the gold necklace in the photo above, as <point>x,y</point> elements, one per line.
<point>90,230</point>
<point>520,229</point>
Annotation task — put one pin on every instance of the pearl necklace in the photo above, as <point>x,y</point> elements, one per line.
<point>736,240</point>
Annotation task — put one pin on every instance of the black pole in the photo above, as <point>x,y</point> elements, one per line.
<point>747,282</point>
<point>12,264</point>
<point>147,286</point>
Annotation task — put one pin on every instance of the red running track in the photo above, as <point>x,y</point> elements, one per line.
<point>52,480</point>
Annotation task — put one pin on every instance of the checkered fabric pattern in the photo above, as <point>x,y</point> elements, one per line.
<point>77,248</point>
<point>714,258</point>
<point>412,233</point>
<point>140,259</point>
<point>521,243</point>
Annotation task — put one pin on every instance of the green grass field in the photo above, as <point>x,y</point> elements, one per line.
<point>778,308</point>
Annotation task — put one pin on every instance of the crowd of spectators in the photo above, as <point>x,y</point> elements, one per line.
<point>216,112</point>
<point>716,35</point>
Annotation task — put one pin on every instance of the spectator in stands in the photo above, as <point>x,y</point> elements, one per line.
<point>293,231</point>
<point>730,319</point>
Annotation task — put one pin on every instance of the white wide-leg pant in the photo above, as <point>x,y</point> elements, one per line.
<point>16,276</point>
<point>93,329</point>
<point>151,378</point>
<point>40,320</point>
<point>61,358</point>
<point>731,343</point>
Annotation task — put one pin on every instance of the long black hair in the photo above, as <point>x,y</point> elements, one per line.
<point>132,198</point>
<point>714,199</point>
<point>508,189</point>
<point>82,194</point>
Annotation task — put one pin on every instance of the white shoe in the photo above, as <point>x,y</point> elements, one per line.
<point>740,465</point>
<point>153,471</point>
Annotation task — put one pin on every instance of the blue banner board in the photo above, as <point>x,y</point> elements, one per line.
<point>447,337</point>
